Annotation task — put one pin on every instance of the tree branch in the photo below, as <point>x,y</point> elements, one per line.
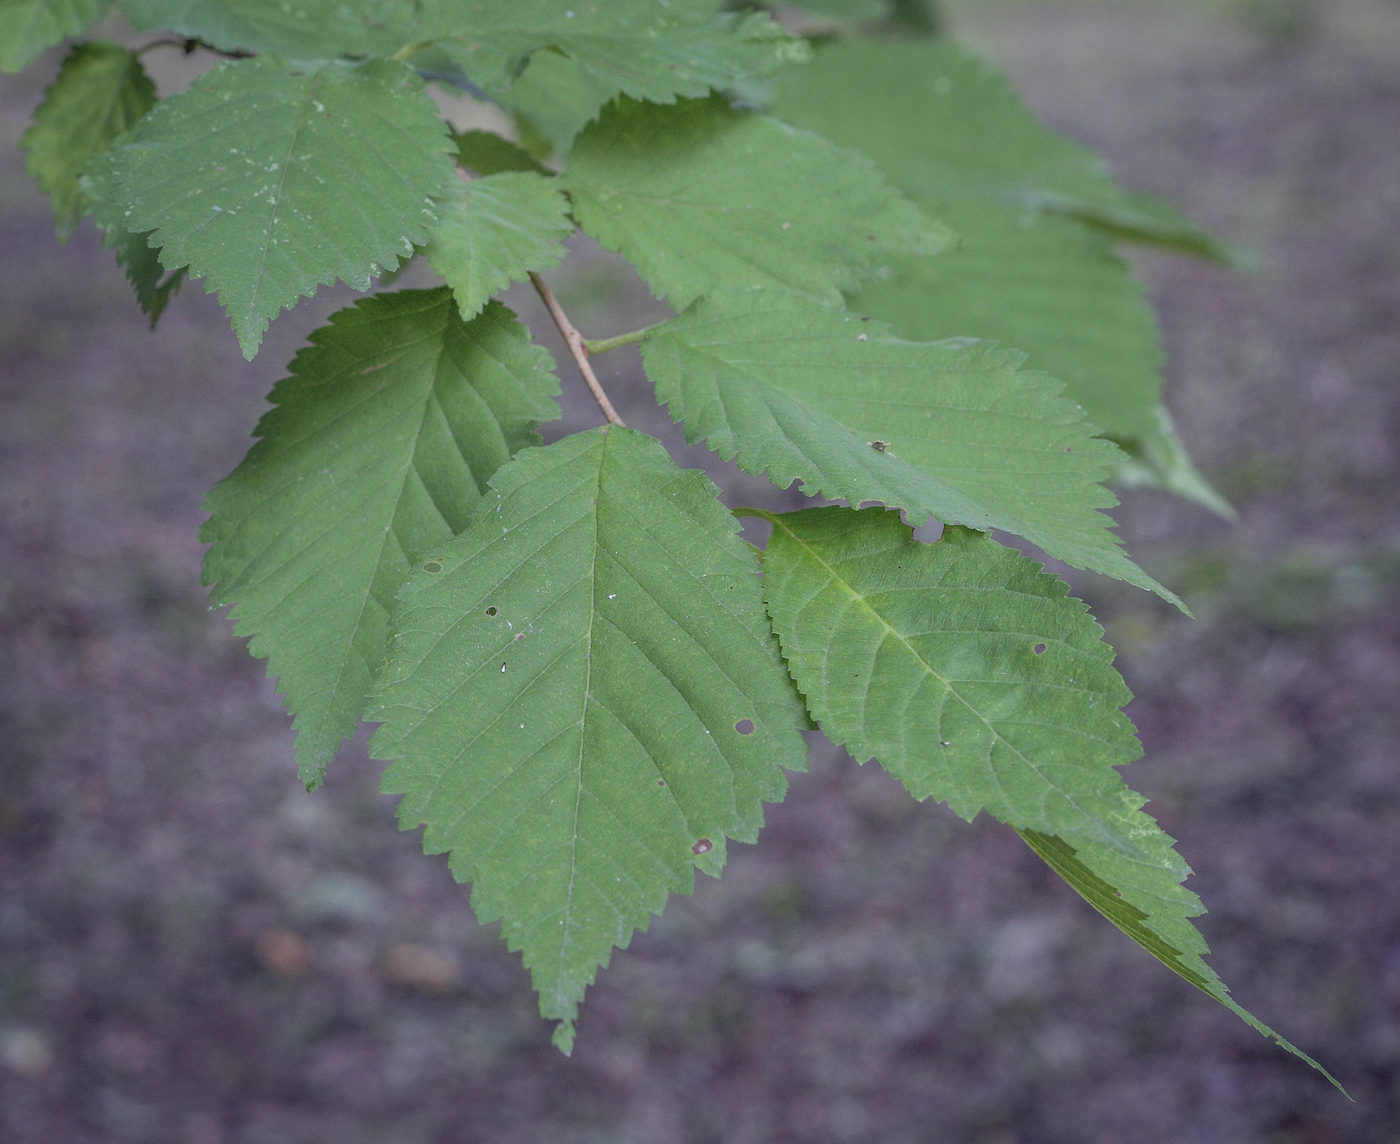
<point>577,347</point>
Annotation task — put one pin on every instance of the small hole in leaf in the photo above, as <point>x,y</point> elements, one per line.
<point>660,782</point>
<point>432,566</point>
<point>704,846</point>
<point>1039,649</point>
<point>491,611</point>
<point>744,726</point>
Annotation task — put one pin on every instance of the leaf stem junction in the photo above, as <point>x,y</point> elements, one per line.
<point>596,346</point>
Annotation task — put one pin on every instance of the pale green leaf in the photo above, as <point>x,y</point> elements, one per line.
<point>953,429</point>
<point>702,197</point>
<point>1158,460</point>
<point>100,93</point>
<point>1046,285</point>
<point>975,679</point>
<point>270,180</point>
<point>964,134</point>
<point>567,695</point>
<point>28,27</point>
<point>379,446</point>
<point>1034,212</point>
<point>495,231</point>
<point>557,96</point>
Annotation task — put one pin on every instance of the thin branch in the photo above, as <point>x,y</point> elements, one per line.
<point>596,346</point>
<point>578,347</point>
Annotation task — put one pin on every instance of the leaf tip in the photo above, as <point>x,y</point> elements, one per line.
<point>563,1038</point>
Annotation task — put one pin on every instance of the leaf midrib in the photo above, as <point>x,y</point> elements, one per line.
<point>251,315</point>
<point>1107,835</point>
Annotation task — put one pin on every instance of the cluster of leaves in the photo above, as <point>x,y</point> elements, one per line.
<point>585,680</point>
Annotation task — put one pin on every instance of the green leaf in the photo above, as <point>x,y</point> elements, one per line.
<point>154,287</point>
<point>486,153</point>
<point>557,96</point>
<point>28,27</point>
<point>379,447</point>
<point>638,48</point>
<point>951,429</point>
<point>567,696</point>
<point>100,93</point>
<point>271,180</point>
<point>496,231</point>
<point>306,30</point>
<point>1046,285</point>
<point>701,197</point>
<point>645,49</point>
<point>1034,212</point>
<point>1158,460</point>
<point>974,678</point>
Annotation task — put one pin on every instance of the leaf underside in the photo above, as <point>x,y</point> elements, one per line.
<point>153,285</point>
<point>271,179</point>
<point>951,429</point>
<point>975,679</point>
<point>100,93</point>
<point>565,699</point>
<point>701,197</point>
<point>28,27</point>
<point>379,446</point>
<point>495,231</point>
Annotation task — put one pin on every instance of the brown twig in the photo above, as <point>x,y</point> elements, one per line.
<point>575,342</point>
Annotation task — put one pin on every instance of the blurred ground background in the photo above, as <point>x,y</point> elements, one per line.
<point>193,951</point>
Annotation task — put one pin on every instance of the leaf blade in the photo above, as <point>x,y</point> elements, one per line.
<point>950,429</point>
<point>500,228</point>
<point>976,679</point>
<point>582,784</point>
<point>270,180</point>
<point>1035,212</point>
<point>701,197</point>
<point>378,446</point>
<point>100,93</point>
<point>29,27</point>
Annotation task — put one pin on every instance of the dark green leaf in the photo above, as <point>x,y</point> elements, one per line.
<point>379,446</point>
<point>271,180</point>
<point>154,287</point>
<point>486,153</point>
<point>567,696</point>
<point>304,30</point>
<point>975,679</point>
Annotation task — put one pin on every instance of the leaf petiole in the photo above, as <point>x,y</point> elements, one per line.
<point>596,346</point>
